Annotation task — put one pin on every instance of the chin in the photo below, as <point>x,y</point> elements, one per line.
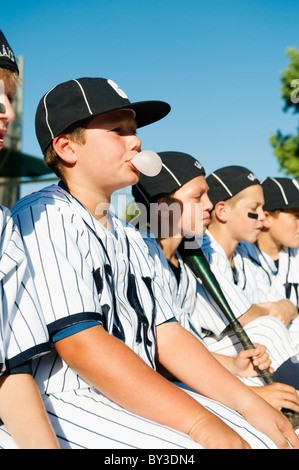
<point>293,244</point>
<point>134,178</point>
<point>128,180</point>
<point>250,238</point>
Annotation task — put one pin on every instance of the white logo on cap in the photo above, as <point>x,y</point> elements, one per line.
<point>295,182</point>
<point>198,165</point>
<point>6,52</point>
<point>251,177</point>
<point>117,89</point>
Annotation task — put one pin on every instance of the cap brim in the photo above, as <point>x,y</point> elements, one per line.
<point>292,205</point>
<point>148,112</point>
<point>272,206</point>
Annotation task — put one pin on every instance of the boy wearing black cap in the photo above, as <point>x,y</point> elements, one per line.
<point>102,300</point>
<point>20,402</point>
<point>181,188</point>
<point>9,78</point>
<point>238,200</point>
<point>273,259</point>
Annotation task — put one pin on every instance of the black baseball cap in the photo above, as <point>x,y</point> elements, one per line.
<point>83,98</point>
<point>7,57</point>
<point>228,181</point>
<point>177,169</point>
<point>280,193</point>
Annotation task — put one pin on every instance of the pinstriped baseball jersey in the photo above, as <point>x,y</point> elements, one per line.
<point>269,331</point>
<point>239,302</point>
<point>191,307</point>
<point>183,295</point>
<point>83,271</point>
<point>262,281</point>
<point>23,331</point>
<point>269,281</point>
<point>75,261</point>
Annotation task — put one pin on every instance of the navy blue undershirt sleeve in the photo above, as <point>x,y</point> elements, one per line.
<point>73,329</point>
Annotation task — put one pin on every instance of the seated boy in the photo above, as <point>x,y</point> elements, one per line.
<point>173,205</point>
<point>103,304</point>
<point>274,258</point>
<point>23,333</point>
<point>237,215</point>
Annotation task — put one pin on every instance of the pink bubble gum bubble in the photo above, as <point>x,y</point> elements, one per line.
<point>147,162</point>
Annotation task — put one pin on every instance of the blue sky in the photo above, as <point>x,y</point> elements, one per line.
<point>217,63</point>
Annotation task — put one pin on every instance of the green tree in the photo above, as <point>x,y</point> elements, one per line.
<point>286,147</point>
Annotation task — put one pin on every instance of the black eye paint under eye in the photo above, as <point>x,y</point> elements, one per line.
<point>251,215</point>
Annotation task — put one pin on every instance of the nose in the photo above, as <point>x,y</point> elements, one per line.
<point>262,215</point>
<point>134,143</point>
<point>207,206</point>
<point>6,111</point>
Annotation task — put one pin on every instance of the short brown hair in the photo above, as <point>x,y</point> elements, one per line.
<point>11,76</point>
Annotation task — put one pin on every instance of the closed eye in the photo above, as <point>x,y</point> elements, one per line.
<point>124,131</point>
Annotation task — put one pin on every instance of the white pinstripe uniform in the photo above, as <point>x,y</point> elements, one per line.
<point>23,333</point>
<point>195,305</point>
<point>260,279</point>
<point>72,256</point>
<point>265,330</point>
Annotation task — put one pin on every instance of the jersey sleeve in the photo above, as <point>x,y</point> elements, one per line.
<point>256,274</point>
<point>23,329</point>
<point>59,252</point>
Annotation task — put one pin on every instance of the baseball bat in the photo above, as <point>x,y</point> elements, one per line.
<point>197,261</point>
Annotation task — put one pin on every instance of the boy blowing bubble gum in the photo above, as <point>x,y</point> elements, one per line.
<point>237,215</point>
<point>20,401</point>
<point>177,205</point>
<point>107,315</point>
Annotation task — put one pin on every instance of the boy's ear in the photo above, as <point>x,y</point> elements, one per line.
<point>63,146</point>
<point>267,220</point>
<point>221,212</point>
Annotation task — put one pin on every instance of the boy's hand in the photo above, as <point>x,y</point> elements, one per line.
<point>248,361</point>
<point>271,422</point>
<point>279,396</point>
<point>283,309</point>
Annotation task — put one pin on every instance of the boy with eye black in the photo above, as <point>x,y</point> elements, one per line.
<point>238,216</point>
<point>273,258</point>
<point>177,203</point>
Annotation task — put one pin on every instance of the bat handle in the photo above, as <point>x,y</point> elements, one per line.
<point>247,344</point>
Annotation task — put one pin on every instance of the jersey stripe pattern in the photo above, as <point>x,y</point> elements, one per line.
<point>262,281</point>
<point>23,331</point>
<point>84,272</point>
<point>190,306</point>
<point>269,281</point>
<point>74,261</point>
<point>238,301</point>
<point>266,330</point>
<point>183,295</point>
